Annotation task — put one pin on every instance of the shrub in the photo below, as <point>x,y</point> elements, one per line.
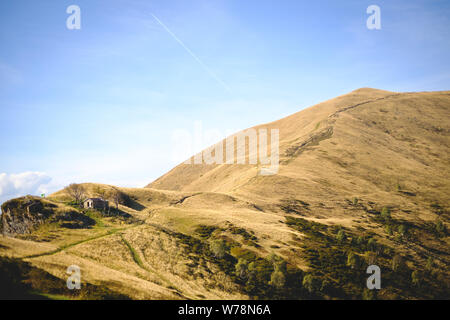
<point>277,279</point>
<point>397,262</point>
<point>360,241</point>
<point>386,214</point>
<point>372,244</point>
<point>416,278</point>
<point>218,248</point>
<point>242,269</point>
<point>353,260</point>
<point>402,230</point>
<point>371,257</point>
<point>341,236</point>
<point>440,227</point>
<point>326,285</point>
<point>389,230</point>
<point>368,294</point>
<point>311,283</point>
<point>278,263</point>
<point>430,264</point>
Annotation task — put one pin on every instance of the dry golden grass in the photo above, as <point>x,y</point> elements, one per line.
<point>386,149</point>
<point>18,248</point>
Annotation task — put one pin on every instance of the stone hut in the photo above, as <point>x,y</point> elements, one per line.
<point>95,203</point>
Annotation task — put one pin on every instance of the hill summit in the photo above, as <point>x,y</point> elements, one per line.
<point>367,143</point>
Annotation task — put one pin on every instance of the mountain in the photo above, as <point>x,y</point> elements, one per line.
<point>362,179</point>
<point>360,144</point>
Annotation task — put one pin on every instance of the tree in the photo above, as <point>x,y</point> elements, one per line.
<point>360,241</point>
<point>386,213</point>
<point>277,279</point>
<point>76,191</point>
<point>372,244</point>
<point>242,268</point>
<point>371,257</point>
<point>218,248</point>
<point>353,260</point>
<point>402,230</point>
<point>440,227</point>
<point>416,278</point>
<point>251,283</point>
<point>310,283</point>
<point>278,263</point>
<point>388,251</point>
<point>389,230</point>
<point>430,264</point>
<point>397,262</point>
<point>117,197</point>
<point>341,237</point>
<point>326,285</point>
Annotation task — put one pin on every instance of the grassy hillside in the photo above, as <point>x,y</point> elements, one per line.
<point>363,179</point>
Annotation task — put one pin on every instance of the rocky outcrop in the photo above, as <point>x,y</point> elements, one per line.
<point>25,214</point>
<point>22,215</point>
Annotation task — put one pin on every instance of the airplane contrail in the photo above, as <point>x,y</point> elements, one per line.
<point>212,74</point>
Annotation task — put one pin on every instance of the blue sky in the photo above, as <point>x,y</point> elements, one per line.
<point>101,104</point>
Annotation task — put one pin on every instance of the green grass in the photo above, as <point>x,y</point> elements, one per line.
<point>317,125</point>
<point>96,216</point>
<point>67,246</point>
<point>134,254</point>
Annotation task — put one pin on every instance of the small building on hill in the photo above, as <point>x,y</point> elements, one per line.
<point>95,203</point>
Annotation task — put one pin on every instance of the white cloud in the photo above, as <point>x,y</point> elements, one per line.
<point>20,184</point>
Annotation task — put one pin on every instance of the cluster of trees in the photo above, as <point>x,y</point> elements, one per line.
<point>400,230</point>
<point>260,277</point>
<point>337,259</point>
<point>78,193</point>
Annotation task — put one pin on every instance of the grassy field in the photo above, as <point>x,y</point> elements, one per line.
<point>363,179</point>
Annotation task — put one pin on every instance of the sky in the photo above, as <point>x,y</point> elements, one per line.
<point>103,103</point>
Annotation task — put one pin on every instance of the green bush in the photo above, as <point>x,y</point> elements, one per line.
<point>311,283</point>
<point>430,264</point>
<point>397,262</point>
<point>277,279</point>
<point>341,236</point>
<point>416,278</point>
<point>402,230</point>
<point>389,230</point>
<point>242,269</point>
<point>440,227</point>
<point>386,214</point>
<point>218,248</point>
<point>353,260</point>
